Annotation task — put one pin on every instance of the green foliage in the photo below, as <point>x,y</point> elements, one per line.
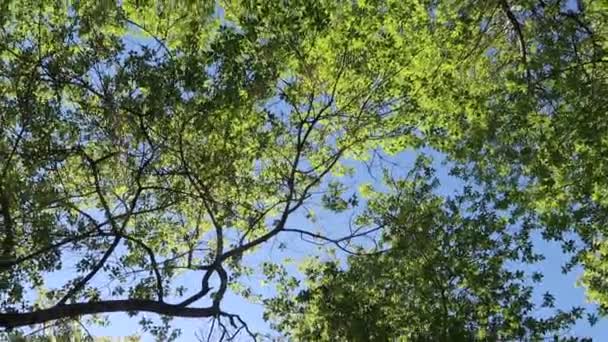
<point>144,141</point>
<point>62,331</point>
<point>445,277</point>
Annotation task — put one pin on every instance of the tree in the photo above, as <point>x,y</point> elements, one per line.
<point>444,277</point>
<point>137,138</point>
<point>526,125</point>
<point>147,141</point>
<point>529,125</point>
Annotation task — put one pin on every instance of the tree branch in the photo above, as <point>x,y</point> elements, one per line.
<point>520,35</point>
<point>91,274</point>
<point>4,265</point>
<point>154,264</point>
<point>12,320</point>
<point>336,242</point>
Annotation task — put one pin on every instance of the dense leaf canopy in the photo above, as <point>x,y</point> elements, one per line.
<point>147,142</point>
<point>445,276</point>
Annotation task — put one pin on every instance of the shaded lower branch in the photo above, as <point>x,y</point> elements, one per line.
<point>11,320</point>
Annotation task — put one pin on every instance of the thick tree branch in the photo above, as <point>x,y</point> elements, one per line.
<point>12,320</point>
<point>205,288</point>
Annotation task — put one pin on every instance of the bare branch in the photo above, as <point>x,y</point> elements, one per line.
<point>336,242</point>
<point>4,265</point>
<point>243,325</point>
<point>19,319</point>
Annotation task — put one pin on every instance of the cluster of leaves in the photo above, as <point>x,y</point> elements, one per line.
<point>524,122</point>
<point>136,138</point>
<point>528,125</point>
<point>448,275</point>
<point>144,141</point>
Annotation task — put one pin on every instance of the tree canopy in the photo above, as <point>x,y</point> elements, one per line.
<point>145,142</point>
